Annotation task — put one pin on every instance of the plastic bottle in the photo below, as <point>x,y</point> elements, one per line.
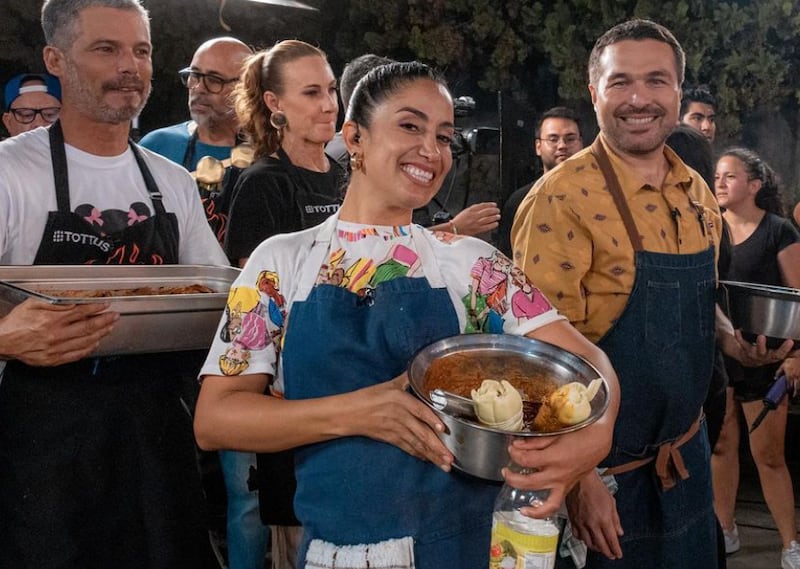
<point>520,542</point>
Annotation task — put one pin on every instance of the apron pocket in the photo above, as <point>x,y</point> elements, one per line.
<point>663,325</point>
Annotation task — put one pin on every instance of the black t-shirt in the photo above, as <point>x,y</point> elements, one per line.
<point>273,196</point>
<point>755,260</point>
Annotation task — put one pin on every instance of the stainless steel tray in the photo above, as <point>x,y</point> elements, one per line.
<point>153,323</point>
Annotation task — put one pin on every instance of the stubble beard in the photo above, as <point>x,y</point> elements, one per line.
<point>92,104</point>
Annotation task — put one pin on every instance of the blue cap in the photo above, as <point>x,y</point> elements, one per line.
<point>14,88</point>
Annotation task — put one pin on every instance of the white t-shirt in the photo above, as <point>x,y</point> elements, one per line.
<point>358,258</point>
<point>106,189</point>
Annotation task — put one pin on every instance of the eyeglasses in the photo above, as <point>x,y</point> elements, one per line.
<point>24,115</point>
<point>569,139</point>
<point>213,83</point>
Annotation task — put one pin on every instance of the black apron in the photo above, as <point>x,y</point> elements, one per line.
<point>97,457</point>
<point>69,239</point>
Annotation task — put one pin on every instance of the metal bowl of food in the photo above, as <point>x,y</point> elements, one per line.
<point>756,309</point>
<point>459,364</point>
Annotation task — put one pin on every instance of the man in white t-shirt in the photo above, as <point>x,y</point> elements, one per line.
<point>97,463</point>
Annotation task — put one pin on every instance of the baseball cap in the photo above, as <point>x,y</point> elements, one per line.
<point>14,88</point>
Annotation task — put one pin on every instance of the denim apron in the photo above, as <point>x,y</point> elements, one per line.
<point>357,490</point>
<point>662,350</point>
<point>97,463</point>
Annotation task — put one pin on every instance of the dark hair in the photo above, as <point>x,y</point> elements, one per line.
<point>558,113</point>
<point>60,17</point>
<point>769,197</point>
<point>383,81</point>
<point>355,70</point>
<point>695,151</point>
<point>698,94</point>
<point>636,29</point>
<point>262,72</point>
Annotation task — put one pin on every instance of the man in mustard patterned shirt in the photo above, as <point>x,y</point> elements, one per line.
<point>622,239</point>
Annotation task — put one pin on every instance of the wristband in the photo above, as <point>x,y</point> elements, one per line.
<point>453,229</point>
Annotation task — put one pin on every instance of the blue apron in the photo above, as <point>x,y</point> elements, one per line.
<point>358,490</point>
<point>662,349</point>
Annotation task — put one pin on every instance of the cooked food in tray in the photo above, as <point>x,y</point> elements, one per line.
<point>519,398</point>
<point>138,291</point>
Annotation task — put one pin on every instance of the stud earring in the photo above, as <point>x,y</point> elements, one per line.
<point>278,120</point>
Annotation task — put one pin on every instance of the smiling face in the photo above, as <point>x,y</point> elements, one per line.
<point>732,184</point>
<point>637,95</point>
<point>105,74</point>
<point>406,150</point>
<point>309,100</point>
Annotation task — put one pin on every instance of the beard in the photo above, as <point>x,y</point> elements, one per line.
<point>212,118</point>
<point>92,103</point>
<point>636,144</point>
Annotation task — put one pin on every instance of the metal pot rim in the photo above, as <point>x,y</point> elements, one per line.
<point>504,342</point>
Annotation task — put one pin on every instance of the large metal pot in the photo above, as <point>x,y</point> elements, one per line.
<point>480,450</point>
<point>773,311</point>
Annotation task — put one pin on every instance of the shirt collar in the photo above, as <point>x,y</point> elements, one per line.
<point>678,174</point>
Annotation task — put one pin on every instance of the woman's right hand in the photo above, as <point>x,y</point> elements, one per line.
<point>387,412</point>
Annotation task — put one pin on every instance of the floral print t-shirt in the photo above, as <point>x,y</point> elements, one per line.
<point>489,294</point>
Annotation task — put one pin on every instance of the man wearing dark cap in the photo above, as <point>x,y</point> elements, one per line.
<point>31,100</point>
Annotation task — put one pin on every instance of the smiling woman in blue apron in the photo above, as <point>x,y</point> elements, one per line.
<point>329,317</point>
<point>97,461</point>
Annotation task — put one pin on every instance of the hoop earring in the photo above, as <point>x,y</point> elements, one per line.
<point>356,161</point>
<point>278,120</point>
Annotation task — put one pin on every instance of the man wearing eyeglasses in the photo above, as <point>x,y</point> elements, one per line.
<point>558,136</point>
<point>31,100</point>
<point>208,144</point>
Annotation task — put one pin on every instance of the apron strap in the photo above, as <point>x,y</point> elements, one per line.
<point>612,182</point>
<point>191,146</point>
<point>58,155</point>
<point>668,459</point>
<point>315,258</point>
<point>430,267</point>
<point>59,160</point>
<point>149,181</point>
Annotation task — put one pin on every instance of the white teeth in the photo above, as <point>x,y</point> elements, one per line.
<point>418,173</point>
<point>639,120</point>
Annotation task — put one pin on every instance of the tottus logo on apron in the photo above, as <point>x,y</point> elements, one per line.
<point>63,236</point>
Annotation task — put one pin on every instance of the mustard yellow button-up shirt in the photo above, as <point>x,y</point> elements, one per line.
<point>570,240</point>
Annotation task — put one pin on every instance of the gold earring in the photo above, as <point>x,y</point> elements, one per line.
<point>278,120</point>
<point>356,161</point>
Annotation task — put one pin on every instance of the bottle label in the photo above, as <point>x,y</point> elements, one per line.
<point>533,549</point>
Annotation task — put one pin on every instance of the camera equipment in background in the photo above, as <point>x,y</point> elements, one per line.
<point>468,144</point>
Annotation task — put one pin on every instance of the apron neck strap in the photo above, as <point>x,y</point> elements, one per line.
<point>58,156</point>
<point>191,147</point>
<point>614,188</point>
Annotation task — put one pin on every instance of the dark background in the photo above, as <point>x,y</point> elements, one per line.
<point>345,28</point>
